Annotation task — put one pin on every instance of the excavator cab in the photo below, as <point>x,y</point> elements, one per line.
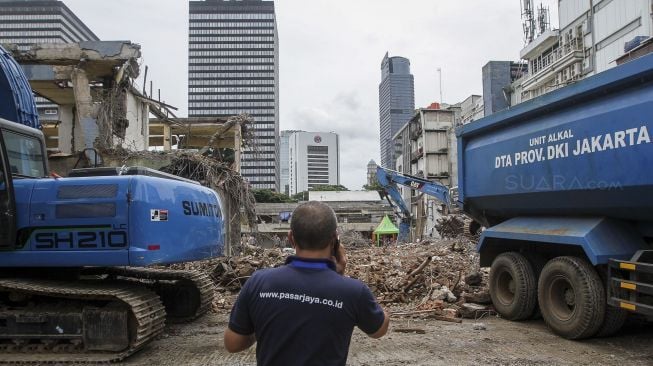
<point>22,156</point>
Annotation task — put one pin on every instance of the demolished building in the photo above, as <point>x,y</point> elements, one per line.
<point>93,83</point>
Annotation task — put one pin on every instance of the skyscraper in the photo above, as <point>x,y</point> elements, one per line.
<point>234,68</point>
<point>371,173</point>
<point>284,160</point>
<point>41,21</point>
<point>396,103</point>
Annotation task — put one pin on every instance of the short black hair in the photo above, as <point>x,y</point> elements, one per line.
<point>313,225</point>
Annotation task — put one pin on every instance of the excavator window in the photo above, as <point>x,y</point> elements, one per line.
<point>7,201</point>
<point>25,155</point>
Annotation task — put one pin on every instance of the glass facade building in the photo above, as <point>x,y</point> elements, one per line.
<point>396,103</point>
<point>233,68</point>
<point>27,22</point>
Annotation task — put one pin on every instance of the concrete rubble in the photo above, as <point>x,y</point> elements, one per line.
<point>439,279</point>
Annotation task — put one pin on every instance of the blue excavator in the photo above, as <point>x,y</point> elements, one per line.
<point>389,180</point>
<point>76,253</point>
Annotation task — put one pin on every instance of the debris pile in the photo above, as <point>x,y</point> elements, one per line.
<point>353,239</point>
<point>450,226</point>
<point>439,279</point>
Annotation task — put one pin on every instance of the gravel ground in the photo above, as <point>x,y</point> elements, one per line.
<point>501,343</point>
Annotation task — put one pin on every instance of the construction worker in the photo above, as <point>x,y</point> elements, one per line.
<point>304,313</point>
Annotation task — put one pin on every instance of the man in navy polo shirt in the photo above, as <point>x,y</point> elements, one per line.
<point>304,313</point>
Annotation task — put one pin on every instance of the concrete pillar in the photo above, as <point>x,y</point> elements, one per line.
<point>86,128</point>
<point>237,146</point>
<point>67,118</point>
<point>167,137</point>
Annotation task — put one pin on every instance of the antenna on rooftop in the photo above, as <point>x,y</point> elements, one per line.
<point>528,16</point>
<point>543,19</point>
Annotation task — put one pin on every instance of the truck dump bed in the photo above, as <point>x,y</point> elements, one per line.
<point>581,150</point>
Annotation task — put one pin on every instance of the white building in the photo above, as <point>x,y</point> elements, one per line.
<point>427,146</point>
<point>314,160</point>
<point>592,35</point>
<point>471,109</point>
<point>284,160</point>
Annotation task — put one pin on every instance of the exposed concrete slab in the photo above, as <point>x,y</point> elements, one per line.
<point>100,59</point>
<point>72,53</point>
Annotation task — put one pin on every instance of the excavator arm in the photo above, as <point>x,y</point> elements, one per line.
<point>389,179</point>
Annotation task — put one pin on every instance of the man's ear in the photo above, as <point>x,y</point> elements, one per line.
<point>291,239</point>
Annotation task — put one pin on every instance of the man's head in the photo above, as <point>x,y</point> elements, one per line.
<point>313,226</point>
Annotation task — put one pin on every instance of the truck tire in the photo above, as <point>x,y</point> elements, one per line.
<point>614,320</point>
<point>571,297</point>
<point>537,262</point>
<point>513,286</point>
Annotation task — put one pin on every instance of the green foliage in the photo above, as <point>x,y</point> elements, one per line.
<point>300,196</point>
<point>330,188</point>
<point>270,196</point>
<point>373,187</point>
<point>303,196</point>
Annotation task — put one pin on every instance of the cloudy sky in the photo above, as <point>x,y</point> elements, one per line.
<point>330,56</point>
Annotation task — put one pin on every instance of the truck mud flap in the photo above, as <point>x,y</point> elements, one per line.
<point>630,285</point>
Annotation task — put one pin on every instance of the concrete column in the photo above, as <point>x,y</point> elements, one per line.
<point>86,128</point>
<point>67,118</point>
<point>237,146</point>
<point>167,137</point>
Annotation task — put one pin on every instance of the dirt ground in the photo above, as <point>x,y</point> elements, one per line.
<point>443,343</point>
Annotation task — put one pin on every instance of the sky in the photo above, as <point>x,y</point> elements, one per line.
<point>330,56</point>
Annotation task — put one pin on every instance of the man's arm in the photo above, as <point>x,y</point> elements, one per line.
<point>235,342</point>
<point>239,335</point>
<point>371,318</point>
<point>384,327</point>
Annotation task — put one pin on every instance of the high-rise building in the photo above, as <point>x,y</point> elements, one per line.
<point>371,173</point>
<point>314,160</point>
<point>396,103</point>
<point>41,21</point>
<point>233,68</point>
<point>284,160</point>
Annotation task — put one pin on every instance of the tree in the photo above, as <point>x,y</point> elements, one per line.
<point>329,188</point>
<point>300,196</point>
<point>270,196</point>
<point>303,196</point>
<point>373,187</point>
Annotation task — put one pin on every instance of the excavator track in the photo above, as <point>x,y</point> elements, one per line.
<point>187,296</point>
<point>146,316</point>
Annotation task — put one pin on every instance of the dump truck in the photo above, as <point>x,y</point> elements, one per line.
<point>564,185</point>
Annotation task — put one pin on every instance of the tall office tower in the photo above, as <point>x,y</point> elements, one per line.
<point>234,68</point>
<point>314,160</point>
<point>371,173</point>
<point>396,103</point>
<point>284,160</point>
<point>41,21</point>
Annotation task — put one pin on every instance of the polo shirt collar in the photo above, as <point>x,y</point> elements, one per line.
<point>311,263</point>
